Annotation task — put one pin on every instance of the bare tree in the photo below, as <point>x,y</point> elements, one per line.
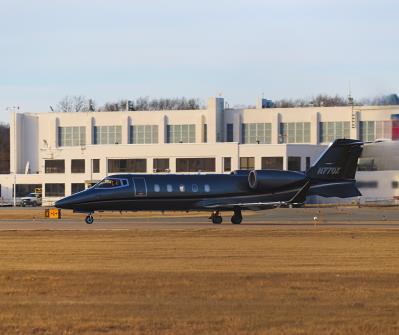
<point>75,103</point>
<point>147,104</point>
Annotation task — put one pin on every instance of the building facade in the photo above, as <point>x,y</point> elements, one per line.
<point>62,153</point>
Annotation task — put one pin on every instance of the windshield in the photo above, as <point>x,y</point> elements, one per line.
<point>109,183</point>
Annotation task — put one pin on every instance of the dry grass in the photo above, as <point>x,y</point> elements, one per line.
<point>205,281</point>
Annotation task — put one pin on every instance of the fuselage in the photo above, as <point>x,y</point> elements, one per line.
<point>133,192</point>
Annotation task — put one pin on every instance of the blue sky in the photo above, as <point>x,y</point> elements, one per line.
<point>109,50</point>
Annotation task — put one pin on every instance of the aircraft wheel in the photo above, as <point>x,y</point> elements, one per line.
<point>89,219</point>
<point>236,219</point>
<point>217,219</point>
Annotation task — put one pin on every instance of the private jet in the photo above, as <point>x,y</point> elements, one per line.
<point>333,175</point>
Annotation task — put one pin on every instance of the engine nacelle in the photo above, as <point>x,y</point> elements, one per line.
<point>265,180</point>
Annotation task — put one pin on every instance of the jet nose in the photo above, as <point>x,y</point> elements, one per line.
<point>63,203</point>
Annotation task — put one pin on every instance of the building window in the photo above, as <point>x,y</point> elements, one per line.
<point>180,133</point>
<point>195,164</point>
<point>274,163</point>
<point>367,131</point>
<point>161,164</point>
<point>96,165</point>
<point>71,136</point>
<point>205,133</point>
<point>367,184</point>
<point>127,165</point>
<point>294,132</point>
<point>226,164</point>
<point>77,187</point>
<point>395,184</point>
<point>383,130</point>
<point>307,163</point>
<point>78,166</point>
<point>54,190</point>
<point>54,166</point>
<point>145,134</point>
<point>230,132</point>
<point>247,163</point>
<point>370,131</point>
<point>22,190</point>
<point>107,135</point>
<point>330,131</point>
<point>256,133</point>
<point>294,163</point>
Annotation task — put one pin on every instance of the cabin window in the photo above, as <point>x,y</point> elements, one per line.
<point>195,188</point>
<point>182,188</point>
<point>207,188</point>
<point>157,188</point>
<point>169,188</point>
<point>112,183</point>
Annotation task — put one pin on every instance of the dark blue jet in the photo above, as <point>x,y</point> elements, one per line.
<point>331,176</point>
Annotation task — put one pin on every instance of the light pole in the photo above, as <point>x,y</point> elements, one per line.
<point>14,109</point>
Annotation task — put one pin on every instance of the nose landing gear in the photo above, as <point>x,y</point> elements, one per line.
<point>89,219</point>
<point>216,218</point>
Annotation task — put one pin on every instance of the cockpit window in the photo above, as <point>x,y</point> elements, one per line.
<point>111,183</point>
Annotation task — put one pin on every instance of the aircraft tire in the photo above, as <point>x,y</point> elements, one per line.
<point>217,220</point>
<point>236,219</point>
<point>89,219</point>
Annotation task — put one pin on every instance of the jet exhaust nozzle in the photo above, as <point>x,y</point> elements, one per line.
<point>264,180</point>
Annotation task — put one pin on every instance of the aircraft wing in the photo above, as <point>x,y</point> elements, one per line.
<point>255,206</point>
<point>298,198</point>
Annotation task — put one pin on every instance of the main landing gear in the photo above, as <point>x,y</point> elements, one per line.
<point>89,219</point>
<point>235,219</point>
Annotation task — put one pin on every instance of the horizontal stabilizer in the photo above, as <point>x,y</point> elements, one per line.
<point>339,190</point>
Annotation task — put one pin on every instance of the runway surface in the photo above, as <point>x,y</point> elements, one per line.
<point>383,217</point>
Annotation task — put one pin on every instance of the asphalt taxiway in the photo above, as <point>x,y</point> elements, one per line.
<point>387,217</point>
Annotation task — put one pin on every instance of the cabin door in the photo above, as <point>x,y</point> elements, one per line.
<point>140,187</point>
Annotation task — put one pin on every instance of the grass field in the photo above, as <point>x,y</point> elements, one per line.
<point>200,281</point>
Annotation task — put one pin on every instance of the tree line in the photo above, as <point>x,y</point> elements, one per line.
<point>80,103</point>
<point>324,100</point>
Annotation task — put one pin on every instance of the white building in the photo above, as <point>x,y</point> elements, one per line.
<point>64,152</point>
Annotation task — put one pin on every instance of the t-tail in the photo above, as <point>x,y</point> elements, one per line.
<point>333,175</point>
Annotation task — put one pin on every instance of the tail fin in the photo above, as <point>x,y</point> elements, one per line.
<point>339,161</point>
